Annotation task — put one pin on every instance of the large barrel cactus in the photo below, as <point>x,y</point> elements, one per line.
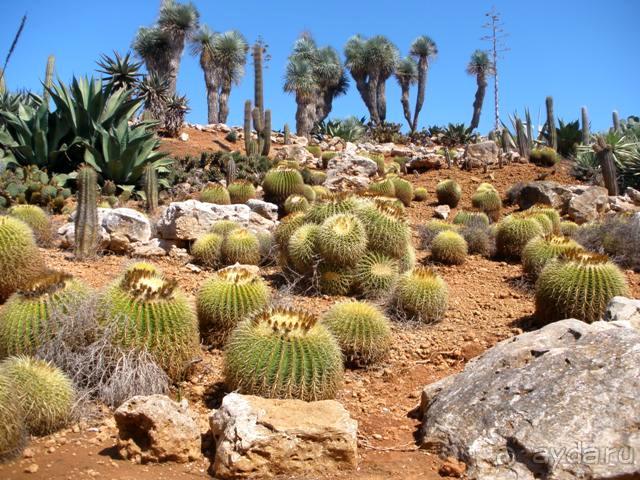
<point>215,193</point>
<point>376,274</point>
<point>514,232</point>
<point>283,353</point>
<point>28,318</point>
<point>449,193</point>
<point>422,295</point>
<point>578,285</point>
<point>449,247</point>
<point>35,217</point>
<point>148,312</point>
<point>12,427</point>
<point>228,297</point>
<point>207,249</point>
<point>241,246</point>
<point>387,230</point>
<point>20,259</point>
<point>241,191</point>
<point>540,250</point>
<point>280,182</point>
<point>342,239</point>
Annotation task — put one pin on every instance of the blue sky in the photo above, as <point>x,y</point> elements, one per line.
<point>582,52</point>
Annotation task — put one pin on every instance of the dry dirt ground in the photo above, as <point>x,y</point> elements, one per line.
<point>489,301</point>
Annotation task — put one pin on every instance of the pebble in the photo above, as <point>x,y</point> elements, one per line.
<point>33,468</point>
<point>28,453</point>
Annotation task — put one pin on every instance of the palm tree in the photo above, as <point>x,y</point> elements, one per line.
<point>300,79</point>
<point>201,46</point>
<point>407,75</point>
<point>230,55</point>
<point>423,49</point>
<point>482,67</point>
<point>331,78</point>
<point>161,46</point>
<point>371,62</point>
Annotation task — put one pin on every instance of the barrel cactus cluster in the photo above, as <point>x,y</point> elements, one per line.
<point>514,232</point>
<point>541,250</point>
<point>487,199</point>
<point>449,193</point>
<point>215,193</point>
<point>422,295</point>
<point>227,243</point>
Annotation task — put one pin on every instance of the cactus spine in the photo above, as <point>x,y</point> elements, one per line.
<point>48,78</point>
<point>586,135</point>
<point>616,121</point>
<point>551,124</point>
<point>86,221</point>
<point>287,134</point>
<point>150,178</point>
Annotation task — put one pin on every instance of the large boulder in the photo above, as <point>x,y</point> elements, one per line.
<point>481,154</point>
<point>421,161</point>
<point>623,309</point>
<point>154,428</point>
<point>188,220</point>
<point>540,192</point>
<point>266,209</point>
<point>298,153</point>
<point>587,204</point>
<point>556,403</point>
<point>261,438</point>
<point>349,171</point>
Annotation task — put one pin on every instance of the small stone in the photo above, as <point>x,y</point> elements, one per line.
<point>184,136</point>
<point>442,211</point>
<point>33,468</point>
<point>28,453</point>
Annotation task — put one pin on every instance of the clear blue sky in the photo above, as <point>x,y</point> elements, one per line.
<point>583,52</point>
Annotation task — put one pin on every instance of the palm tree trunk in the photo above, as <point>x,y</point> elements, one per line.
<point>422,86</point>
<point>325,104</point>
<point>305,115</point>
<point>373,99</point>
<point>381,97</point>
<point>176,47</point>
<point>406,108</point>
<point>212,97</point>
<point>225,93</point>
<point>477,103</point>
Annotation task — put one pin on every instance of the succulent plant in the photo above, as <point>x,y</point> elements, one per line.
<point>287,226</point>
<point>86,221</point>
<point>18,255</point>
<point>241,246</point>
<point>35,217</point>
<point>240,191</point>
<point>449,247</point>
<point>449,193</point>
<point>514,232</point>
<point>332,205</point>
<point>283,353</point>
<point>545,156</point>
<point>464,217</point>
<point>314,150</point>
<point>422,295</point>
<point>342,239</point>
<point>432,228</point>
<point>578,285</point>
<point>148,312</point>
<point>229,296</point>
<point>541,250</point>
<point>224,227</point>
<point>384,187</point>
<point>215,193</point>
<point>551,213</point>
<point>487,199</point>
<point>150,186</point>
<point>303,247</point>
<point>387,230</point>
<point>326,157</point>
<point>420,194</point>
<point>44,392</point>
<point>404,190</point>
<point>478,239</point>
<point>568,229</point>
<point>321,192</point>
<point>280,182</point>
<point>309,193</point>
<point>362,331</point>
<point>376,274</point>
<point>207,249</point>
<point>543,220</point>
<point>334,280</point>
<point>408,260</point>
<point>27,319</point>
<point>12,428</point>
<point>296,203</point>
<point>265,240</point>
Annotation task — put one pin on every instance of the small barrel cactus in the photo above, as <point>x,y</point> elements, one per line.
<point>362,331</point>
<point>487,199</point>
<point>332,205</point>
<point>207,249</point>
<point>224,227</point>
<point>240,191</point>
<point>296,203</point>
<point>543,220</point>
<point>476,219</point>
<point>420,194</point>
<point>404,190</point>
<point>215,193</point>
<point>241,246</point>
<point>422,295</point>
<point>342,239</point>
<point>228,297</point>
<point>287,226</point>
<point>387,230</point>
<point>478,239</point>
<point>432,228</point>
<point>44,392</point>
<point>551,213</point>
<point>540,250</point>
<point>148,312</point>
<point>321,192</point>
<point>449,193</point>
<point>12,427</point>
<point>303,247</point>
<point>280,182</point>
<point>19,255</point>
<point>514,232</point>
<point>568,229</point>
<point>27,319</point>
<point>334,280</point>
<point>309,193</point>
<point>35,217</point>
<point>449,247</point>
<point>376,274</point>
<point>283,353</point>
<point>577,284</point>
<point>384,187</point>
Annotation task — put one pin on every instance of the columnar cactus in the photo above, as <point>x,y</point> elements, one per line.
<point>150,179</point>
<point>362,331</point>
<point>247,127</point>
<point>44,392</point>
<point>586,134</point>
<point>551,124</point>
<point>231,295</point>
<point>86,218</point>
<point>422,295</point>
<point>616,121</point>
<point>449,193</point>
<point>283,353</point>
<point>48,78</point>
<point>578,285</point>
<point>287,134</point>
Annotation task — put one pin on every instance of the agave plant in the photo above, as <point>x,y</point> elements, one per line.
<point>121,71</point>
<point>350,129</point>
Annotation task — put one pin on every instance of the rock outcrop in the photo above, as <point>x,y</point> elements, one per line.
<point>481,154</point>
<point>349,171</point>
<point>556,403</point>
<point>262,438</point>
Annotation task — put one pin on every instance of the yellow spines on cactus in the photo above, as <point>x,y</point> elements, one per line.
<point>241,246</point>
<point>422,295</point>
<point>215,193</point>
<point>541,250</point>
<point>449,193</point>
<point>449,247</point>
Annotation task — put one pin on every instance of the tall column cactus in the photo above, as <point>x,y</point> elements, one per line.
<point>616,121</point>
<point>261,118</point>
<point>86,221</point>
<point>604,154</point>
<point>287,134</point>
<point>266,133</point>
<point>48,78</point>
<point>586,135</point>
<point>551,124</point>
<point>150,178</point>
<point>258,86</point>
